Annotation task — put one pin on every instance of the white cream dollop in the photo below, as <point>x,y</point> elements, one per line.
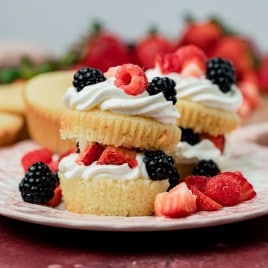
<point>71,169</point>
<point>106,96</point>
<point>186,153</point>
<point>202,90</point>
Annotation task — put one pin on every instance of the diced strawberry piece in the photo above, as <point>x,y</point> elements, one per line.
<point>203,202</point>
<point>247,190</point>
<point>198,182</point>
<point>219,141</point>
<point>39,155</point>
<point>131,78</point>
<point>54,166</point>
<point>56,199</point>
<point>192,60</point>
<point>223,189</point>
<point>90,154</point>
<point>167,63</point>
<point>178,202</point>
<point>118,156</point>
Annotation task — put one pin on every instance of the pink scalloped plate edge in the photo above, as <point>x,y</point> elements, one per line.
<point>248,156</point>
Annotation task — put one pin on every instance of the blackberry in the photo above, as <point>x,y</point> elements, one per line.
<point>221,72</point>
<point>165,85</point>
<point>87,76</point>
<point>38,184</point>
<point>160,166</point>
<point>189,136</point>
<point>206,168</point>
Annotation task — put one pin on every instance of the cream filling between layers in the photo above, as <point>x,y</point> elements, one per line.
<point>71,169</point>
<point>202,90</point>
<point>106,96</point>
<point>185,153</point>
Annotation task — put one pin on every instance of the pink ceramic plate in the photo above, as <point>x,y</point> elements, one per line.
<point>250,156</point>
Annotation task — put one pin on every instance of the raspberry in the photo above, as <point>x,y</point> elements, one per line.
<point>131,78</point>
<point>206,168</point>
<point>165,85</point>
<point>160,166</point>
<point>223,189</point>
<point>221,72</point>
<point>87,76</point>
<point>38,184</point>
<point>189,136</point>
<point>219,141</point>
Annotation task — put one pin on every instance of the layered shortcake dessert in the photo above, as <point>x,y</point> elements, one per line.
<point>122,132</point>
<point>208,100</point>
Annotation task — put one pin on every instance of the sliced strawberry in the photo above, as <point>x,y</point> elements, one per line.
<point>118,156</point>
<point>90,154</point>
<point>219,141</point>
<point>167,63</point>
<point>247,190</point>
<point>131,78</point>
<point>223,189</point>
<point>203,202</point>
<point>198,182</point>
<point>56,199</point>
<point>39,155</point>
<point>192,60</point>
<point>178,202</point>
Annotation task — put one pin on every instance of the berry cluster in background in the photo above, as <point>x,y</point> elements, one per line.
<point>100,48</point>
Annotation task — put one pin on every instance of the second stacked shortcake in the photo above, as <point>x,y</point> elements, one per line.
<point>208,100</point>
<point>123,131</point>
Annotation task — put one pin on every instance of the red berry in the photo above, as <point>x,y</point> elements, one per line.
<point>149,47</point>
<point>131,78</point>
<point>56,199</point>
<point>247,190</point>
<point>198,182</point>
<point>223,189</point>
<point>167,63</point>
<point>202,34</point>
<point>219,141</point>
<point>105,50</point>
<point>203,202</point>
<point>192,60</point>
<point>39,155</point>
<point>90,154</point>
<point>118,156</point>
<point>178,202</point>
<point>54,166</point>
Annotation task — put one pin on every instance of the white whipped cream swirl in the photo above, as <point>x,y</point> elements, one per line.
<point>106,96</point>
<point>202,90</point>
<point>71,169</point>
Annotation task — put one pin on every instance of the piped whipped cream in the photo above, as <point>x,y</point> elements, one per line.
<point>202,90</point>
<point>106,96</point>
<point>71,169</point>
<point>186,153</point>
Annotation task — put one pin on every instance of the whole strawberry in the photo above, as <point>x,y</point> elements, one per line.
<point>147,48</point>
<point>204,34</point>
<point>103,50</point>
